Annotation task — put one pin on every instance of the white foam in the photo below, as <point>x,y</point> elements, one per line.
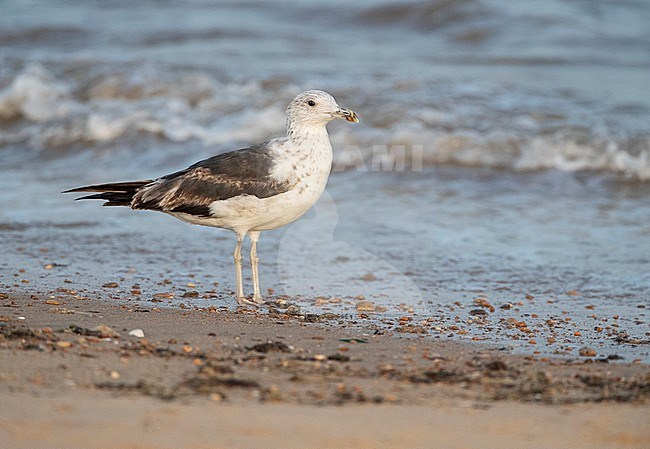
<point>35,95</point>
<point>500,150</point>
<point>58,113</point>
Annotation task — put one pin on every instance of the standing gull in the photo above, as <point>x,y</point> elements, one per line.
<point>247,191</point>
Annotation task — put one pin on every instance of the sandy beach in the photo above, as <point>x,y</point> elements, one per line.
<point>73,376</point>
<point>475,275</point>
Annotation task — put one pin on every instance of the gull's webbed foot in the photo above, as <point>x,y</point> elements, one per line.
<point>244,301</point>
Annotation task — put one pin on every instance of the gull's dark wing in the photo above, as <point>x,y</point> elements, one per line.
<point>241,172</point>
<point>191,191</point>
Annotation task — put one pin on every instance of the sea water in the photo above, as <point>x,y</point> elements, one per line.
<point>503,153</point>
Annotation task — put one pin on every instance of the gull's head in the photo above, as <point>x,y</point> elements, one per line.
<point>316,108</point>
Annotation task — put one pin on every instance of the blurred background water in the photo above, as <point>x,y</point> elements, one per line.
<point>504,148</point>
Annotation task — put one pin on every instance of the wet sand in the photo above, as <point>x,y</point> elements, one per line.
<point>72,376</point>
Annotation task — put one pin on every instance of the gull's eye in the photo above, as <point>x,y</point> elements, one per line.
<point>311,103</point>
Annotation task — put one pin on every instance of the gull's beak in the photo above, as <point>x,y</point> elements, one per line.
<point>347,114</point>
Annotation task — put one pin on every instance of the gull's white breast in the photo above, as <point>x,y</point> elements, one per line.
<point>306,168</point>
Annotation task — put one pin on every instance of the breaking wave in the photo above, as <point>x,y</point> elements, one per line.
<point>52,115</point>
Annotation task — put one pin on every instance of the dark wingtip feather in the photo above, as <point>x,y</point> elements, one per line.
<point>96,196</point>
<point>111,187</point>
<point>116,194</point>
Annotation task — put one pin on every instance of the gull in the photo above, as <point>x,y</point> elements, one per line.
<point>247,191</point>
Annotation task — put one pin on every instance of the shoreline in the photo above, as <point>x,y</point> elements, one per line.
<point>203,365</point>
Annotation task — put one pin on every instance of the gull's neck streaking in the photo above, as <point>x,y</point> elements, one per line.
<point>310,136</point>
<point>301,130</point>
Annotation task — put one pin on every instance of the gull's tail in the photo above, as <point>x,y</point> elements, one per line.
<point>115,194</point>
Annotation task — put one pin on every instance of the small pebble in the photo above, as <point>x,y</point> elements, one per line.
<point>478,312</point>
<point>293,310</point>
<point>137,333</point>
<point>587,352</point>
<point>365,306</point>
<point>163,295</point>
<point>104,331</point>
